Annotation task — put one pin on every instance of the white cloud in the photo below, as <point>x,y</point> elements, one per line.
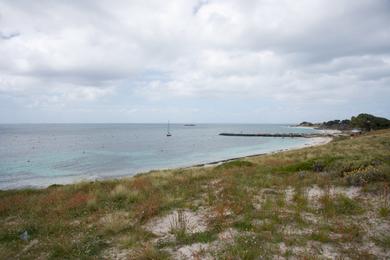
<point>307,51</point>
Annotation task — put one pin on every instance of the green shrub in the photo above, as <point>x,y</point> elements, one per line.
<point>321,236</point>
<point>383,241</point>
<point>347,206</point>
<point>244,225</point>
<point>316,165</point>
<point>235,164</point>
<point>384,212</point>
<point>364,176</point>
<point>369,122</point>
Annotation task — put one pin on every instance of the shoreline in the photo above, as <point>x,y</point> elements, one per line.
<point>318,141</point>
<point>315,141</point>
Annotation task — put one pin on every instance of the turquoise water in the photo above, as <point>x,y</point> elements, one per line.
<point>39,155</point>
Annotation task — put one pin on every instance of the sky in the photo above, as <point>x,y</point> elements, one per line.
<point>264,61</point>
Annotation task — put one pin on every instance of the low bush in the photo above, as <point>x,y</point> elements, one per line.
<point>315,165</point>
<point>364,176</point>
<point>235,164</point>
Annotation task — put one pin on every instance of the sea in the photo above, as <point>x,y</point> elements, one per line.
<point>39,155</point>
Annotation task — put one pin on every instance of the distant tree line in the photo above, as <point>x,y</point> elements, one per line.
<point>369,122</point>
<point>364,122</point>
<point>337,124</point>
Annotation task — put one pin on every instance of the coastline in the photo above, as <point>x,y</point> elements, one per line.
<point>315,141</point>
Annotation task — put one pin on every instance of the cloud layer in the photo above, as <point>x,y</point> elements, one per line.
<point>204,61</point>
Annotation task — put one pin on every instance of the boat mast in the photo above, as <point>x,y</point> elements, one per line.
<point>168,133</point>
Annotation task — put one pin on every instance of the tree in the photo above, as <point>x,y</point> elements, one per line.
<point>369,122</point>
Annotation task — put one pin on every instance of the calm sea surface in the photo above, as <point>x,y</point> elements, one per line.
<point>39,155</point>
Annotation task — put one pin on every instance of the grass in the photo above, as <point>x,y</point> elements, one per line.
<point>321,236</point>
<point>248,246</point>
<point>149,251</point>
<point>235,164</point>
<point>383,240</point>
<point>263,200</point>
<point>384,212</point>
<point>340,205</point>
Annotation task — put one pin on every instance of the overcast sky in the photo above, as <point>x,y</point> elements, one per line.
<point>264,61</point>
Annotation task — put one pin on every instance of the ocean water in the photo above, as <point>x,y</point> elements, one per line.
<point>38,155</point>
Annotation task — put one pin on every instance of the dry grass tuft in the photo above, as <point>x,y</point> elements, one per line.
<point>147,208</point>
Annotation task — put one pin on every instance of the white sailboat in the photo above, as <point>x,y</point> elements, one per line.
<point>168,132</point>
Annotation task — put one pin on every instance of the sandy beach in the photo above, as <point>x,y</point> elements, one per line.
<point>315,141</point>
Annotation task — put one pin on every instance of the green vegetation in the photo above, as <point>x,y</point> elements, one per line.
<point>383,240</point>
<point>235,164</point>
<point>340,204</point>
<point>337,124</point>
<point>365,122</point>
<point>369,122</point>
<point>331,199</point>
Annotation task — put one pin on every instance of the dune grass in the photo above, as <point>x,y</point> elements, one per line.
<point>330,199</point>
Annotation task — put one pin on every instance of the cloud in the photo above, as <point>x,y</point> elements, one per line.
<point>306,53</point>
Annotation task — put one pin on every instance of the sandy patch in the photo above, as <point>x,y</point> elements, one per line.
<point>227,236</point>
<point>292,230</point>
<point>350,192</point>
<point>117,254</point>
<point>289,194</point>
<point>194,251</point>
<point>162,226</point>
<point>315,141</point>
<point>315,192</point>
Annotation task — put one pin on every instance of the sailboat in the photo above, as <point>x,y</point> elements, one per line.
<point>168,132</point>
